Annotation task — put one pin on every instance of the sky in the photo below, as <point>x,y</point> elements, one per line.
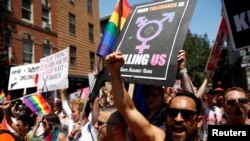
<point>206,17</point>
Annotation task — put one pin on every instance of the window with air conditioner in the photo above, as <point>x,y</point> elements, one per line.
<point>27,11</point>
<point>27,51</point>
<point>46,17</point>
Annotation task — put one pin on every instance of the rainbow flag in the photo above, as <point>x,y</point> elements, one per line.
<point>37,104</point>
<point>111,32</point>
<point>2,97</point>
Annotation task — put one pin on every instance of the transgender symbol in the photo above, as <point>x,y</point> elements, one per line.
<point>147,29</point>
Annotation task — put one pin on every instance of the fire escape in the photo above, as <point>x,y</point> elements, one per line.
<point>7,55</point>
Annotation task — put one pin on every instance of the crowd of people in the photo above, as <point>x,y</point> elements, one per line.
<point>182,115</point>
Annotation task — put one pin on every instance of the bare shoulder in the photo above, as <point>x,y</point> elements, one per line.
<point>61,137</point>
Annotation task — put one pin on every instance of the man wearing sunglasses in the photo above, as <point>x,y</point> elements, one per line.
<point>183,121</point>
<point>110,125</point>
<point>235,105</point>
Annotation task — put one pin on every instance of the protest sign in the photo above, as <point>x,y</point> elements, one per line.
<point>238,21</point>
<point>75,95</point>
<point>215,53</point>
<point>23,76</point>
<point>54,71</point>
<point>151,39</point>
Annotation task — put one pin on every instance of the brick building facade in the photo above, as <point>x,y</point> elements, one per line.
<point>32,29</point>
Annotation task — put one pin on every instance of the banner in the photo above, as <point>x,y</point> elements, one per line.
<point>215,53</point>
<point>54,70</point>
<point>23,76</point>
<point>150,42</point>
<point>238,21</point>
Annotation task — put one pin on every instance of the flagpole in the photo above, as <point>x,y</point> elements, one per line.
<point>22,97</point>
<point>119,18</point>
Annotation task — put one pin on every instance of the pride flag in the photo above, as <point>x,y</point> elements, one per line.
<point>112,29</point>
<point>37,104</point>
<point>2,97</point>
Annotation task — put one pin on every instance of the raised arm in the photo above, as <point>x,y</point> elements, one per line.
<point>65,104</point>
<point>186,83</point>
<point>202,88</point>
<point>140,127</point>
<point>6,110</point>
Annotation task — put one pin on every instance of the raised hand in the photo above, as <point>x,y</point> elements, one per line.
<point>114,62</point>
<point>181,58</point>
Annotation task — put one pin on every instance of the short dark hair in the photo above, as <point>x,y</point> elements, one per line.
<point>117,118</point>
<point>192,96</point>
<point>158,88</point>
<point>26,119</point>
<point>235,88</point>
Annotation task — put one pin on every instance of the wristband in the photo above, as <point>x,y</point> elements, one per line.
<point>183,71</point>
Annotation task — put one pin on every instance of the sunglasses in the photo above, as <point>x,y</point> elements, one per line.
<point>185,114</point>
<point>232,102</point>
<point>101,123</point>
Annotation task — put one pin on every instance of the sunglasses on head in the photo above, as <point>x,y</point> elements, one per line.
<point>232,102</point>
<point>185,114</point>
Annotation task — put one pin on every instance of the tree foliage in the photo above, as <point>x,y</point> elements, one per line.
<point>197,49</point>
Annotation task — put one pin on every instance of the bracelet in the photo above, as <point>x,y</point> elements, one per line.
<point>183,71</point>
<point>71,135</point>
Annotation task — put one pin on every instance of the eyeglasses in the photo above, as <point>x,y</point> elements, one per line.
<point>232,102</point>
<point>185,114</point>
<point>101,123</point>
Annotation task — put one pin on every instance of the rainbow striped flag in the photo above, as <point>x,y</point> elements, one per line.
<point>2,97</point>
<point>111,32</point>
<point>37,104</point>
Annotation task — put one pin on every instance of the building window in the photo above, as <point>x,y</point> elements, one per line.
<point>45,17</point>
<point>72,1</point>
<point>91,32</point>
<point>71,23</point>
<point>7,38</point>
<point>27,51</point>
<point>46,50</point>
<point>72,51</point>
<point>92,60</point>
<point>27,10</point>
<point>90,7</point>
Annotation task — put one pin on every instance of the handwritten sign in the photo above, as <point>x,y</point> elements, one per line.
<point>23,76</point>
<point>54,71</point>
<point>151,39</point>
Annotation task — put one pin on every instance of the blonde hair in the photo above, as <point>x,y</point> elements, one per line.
<point>79,102</point>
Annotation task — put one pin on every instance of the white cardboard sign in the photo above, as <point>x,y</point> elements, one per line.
<point>23,76</point>
<point>54,71</point>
